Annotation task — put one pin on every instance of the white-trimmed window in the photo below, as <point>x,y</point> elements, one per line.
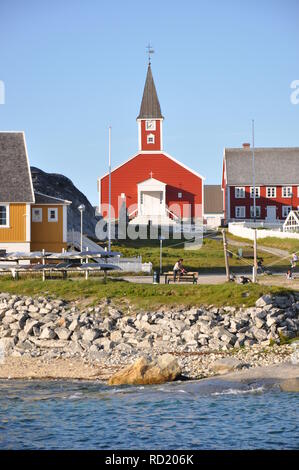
<point>285,211</point>
<point>240,212</point>
<point>257,191</point>
<point>37,214</point>
<point>287,191</point>
<point>180,195</point>
<point>141,197</point>
<point>151,139</point>
<point>150,125</point>
<point>52,214</point>
<point>239,192</point>
<point>271,191</point>
<point>161,197</point>
<point>257,211</point>
<point>4,216</point>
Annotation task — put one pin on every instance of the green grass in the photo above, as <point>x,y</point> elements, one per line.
<point>209,257</point>
<point>141,296</point>
<point>289,244</point>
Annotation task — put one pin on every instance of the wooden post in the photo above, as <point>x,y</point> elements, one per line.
<point>254,271</point>
<point>226,256</point>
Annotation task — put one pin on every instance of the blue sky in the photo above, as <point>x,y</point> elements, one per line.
<point>71,68</point>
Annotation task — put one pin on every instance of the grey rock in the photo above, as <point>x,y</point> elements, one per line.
<point>47,333</point>
<point>30,323</point>
<point>90,335</point>
<point>264,300</point>
<point>63,333</point>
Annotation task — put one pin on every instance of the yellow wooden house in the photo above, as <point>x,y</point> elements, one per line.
<point>29,220</point>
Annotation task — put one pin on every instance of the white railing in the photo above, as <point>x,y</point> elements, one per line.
<point>174,216</point>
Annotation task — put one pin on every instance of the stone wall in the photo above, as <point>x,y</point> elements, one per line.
<point>34,327</point>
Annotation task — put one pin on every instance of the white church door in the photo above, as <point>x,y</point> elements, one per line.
<point>151,198</point>
<point>152,202</point>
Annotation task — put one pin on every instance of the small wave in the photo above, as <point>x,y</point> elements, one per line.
<point>233,391</point>
<point>75,396</point>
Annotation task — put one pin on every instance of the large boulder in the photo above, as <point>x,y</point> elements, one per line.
<point>226,365</point>
<point>145,371</point>
<point>290,385</point>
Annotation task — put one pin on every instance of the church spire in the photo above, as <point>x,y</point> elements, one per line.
<point>150,106</point>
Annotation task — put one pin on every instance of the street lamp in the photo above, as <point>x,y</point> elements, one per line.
<point>81,208</point>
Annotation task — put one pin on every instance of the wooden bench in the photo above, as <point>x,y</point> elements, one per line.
<point>188,277</point>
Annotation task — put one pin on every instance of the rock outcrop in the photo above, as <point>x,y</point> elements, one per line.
<point>290,385</point>
<point>60,186</point>
<point>146,371</point>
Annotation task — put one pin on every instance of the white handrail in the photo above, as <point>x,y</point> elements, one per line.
<point>171,213</point>
<point>136,210</point>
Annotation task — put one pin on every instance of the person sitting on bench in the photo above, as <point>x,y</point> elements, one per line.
<point>178,269</point>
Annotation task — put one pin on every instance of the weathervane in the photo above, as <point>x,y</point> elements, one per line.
<point>150,51</point>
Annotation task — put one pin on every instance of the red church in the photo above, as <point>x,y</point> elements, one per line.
<point>152,185</point>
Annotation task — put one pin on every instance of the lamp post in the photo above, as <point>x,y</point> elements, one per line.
<point>81,208</point>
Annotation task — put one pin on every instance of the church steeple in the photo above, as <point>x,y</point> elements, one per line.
<point>150,106</point>
<point>150,117</point>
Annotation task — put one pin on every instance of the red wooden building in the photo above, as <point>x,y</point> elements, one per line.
<point>152,185</point>
<point>276,183</point>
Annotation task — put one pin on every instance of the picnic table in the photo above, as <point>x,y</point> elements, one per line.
<point>190,276</point>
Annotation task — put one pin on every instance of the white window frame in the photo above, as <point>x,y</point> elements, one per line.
<point>147,125</point>
<point>241,209</point>
<point>49,214</point>
<point>269,191</point>
<point>257,192</point>
<point>258,212</point>
<point>150,139</point>
<point>238,190</point>
<point>286,191</point>
<point>40,216</point>
<point>180,195</point>
<point>285,211</point>
<point>7,216</point>
<point>297,191</point>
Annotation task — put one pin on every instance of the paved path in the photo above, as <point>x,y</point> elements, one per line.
<point>267,249</point>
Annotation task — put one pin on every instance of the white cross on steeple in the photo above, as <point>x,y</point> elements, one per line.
<point>151,174</point>
<point>150,51</point>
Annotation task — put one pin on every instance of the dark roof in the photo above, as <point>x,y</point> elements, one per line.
<point>15,175</point>
<point>273,166</point>
<point>150,106</point>
<point>41,198</point>
<point>213,199</point>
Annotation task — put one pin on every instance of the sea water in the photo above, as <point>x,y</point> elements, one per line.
<point>181,415</point>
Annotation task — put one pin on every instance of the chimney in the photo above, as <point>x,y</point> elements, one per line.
<point>246,145</point>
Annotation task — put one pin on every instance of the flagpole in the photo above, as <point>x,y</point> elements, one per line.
<point>253,173</point>
<point>109,207</point>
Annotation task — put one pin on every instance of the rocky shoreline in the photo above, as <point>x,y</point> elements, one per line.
<point>50,338</point>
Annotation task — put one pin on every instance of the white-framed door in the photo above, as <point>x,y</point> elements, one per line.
<point>271,214</point>
<point>151,203</point>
